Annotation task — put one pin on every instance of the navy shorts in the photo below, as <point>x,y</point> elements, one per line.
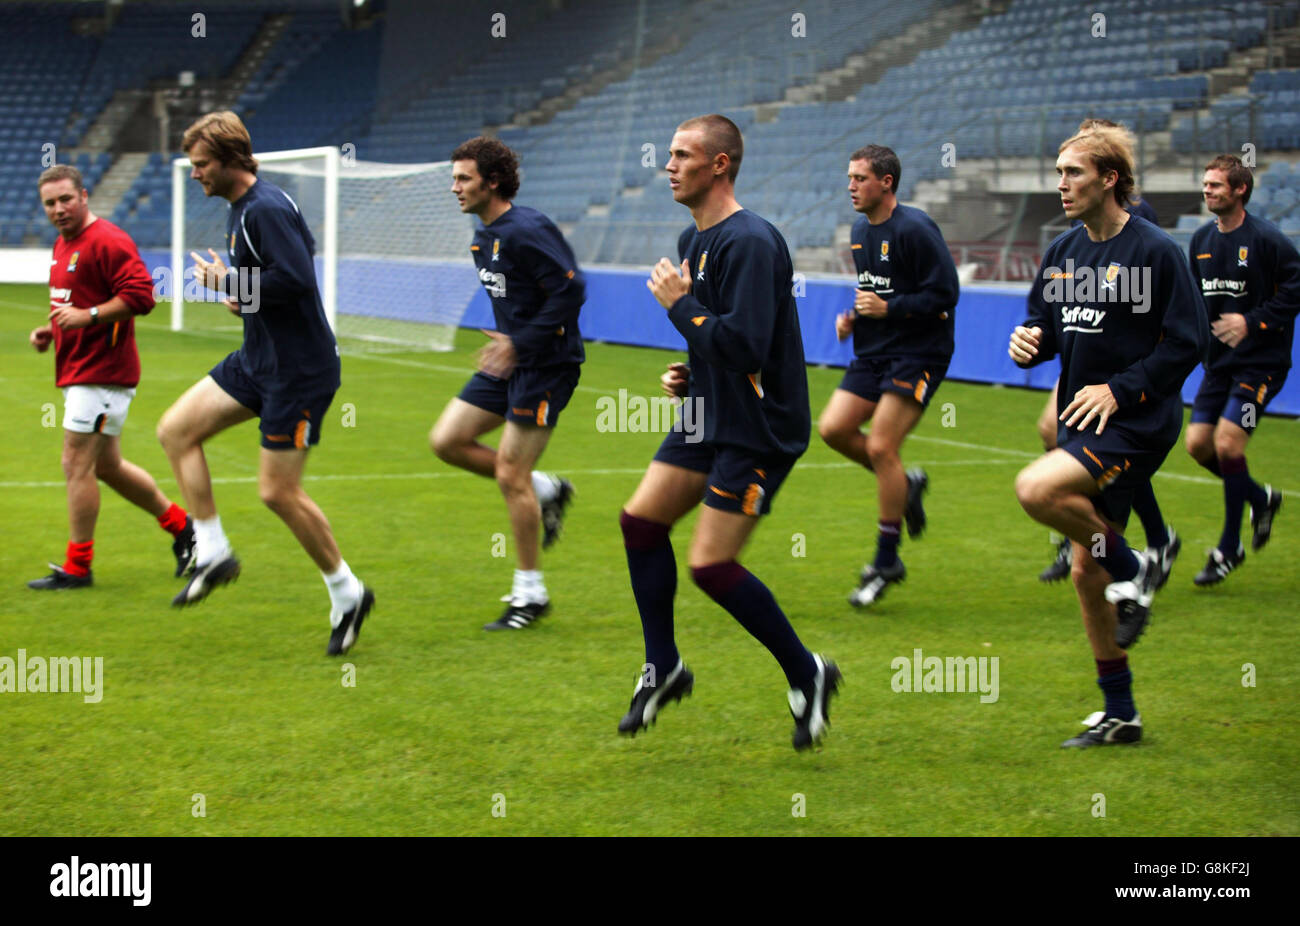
<point>1118,463</point>
<point>916,378</point>
<point>533,396</point>
<point>738,480</point>
<point>1239,396</point>
<point>289,417</point>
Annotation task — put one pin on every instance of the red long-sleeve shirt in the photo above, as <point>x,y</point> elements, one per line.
<point>99,263</point>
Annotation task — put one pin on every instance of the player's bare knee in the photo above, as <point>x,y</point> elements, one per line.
<point>1033,492</point>
<point>1227,446</point>
<point>832,432</point>
<point>444,444</point>
<point>880,451</point>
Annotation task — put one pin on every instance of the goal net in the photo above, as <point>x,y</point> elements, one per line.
<point>392,247</point>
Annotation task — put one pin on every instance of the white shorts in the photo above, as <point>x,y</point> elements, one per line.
<point>96,409</point>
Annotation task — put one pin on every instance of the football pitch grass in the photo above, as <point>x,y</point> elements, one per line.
<point>450,730</point>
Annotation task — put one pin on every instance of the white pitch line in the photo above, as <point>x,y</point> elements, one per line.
<point>627,471</point>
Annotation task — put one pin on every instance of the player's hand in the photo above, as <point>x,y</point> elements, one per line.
<point>843,325</point>
<point>211,274</point>
<point>669,283</point>
<point>497,357</point>
<point>68,317</point>
<point>41,337</point>
<point>1088,403</point>
<point>1024,343</point>
<point>1230,328</point>
<point>677,381</point>
<point>869,304</point>
<point>232,305</point>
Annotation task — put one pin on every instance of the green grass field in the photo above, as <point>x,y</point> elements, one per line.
<point>235,700</point>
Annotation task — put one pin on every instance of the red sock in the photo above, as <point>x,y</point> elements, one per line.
<point>79,557</point>
<point>173,519</point>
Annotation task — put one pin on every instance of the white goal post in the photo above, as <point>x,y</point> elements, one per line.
<point>392,247</point>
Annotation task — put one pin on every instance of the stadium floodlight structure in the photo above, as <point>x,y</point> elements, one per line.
<point>392,246</point>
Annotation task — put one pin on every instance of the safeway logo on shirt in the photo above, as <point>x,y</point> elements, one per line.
<point>1082,319</point>
<point>494,283</point>
<point>1218,287</point>
<point>60,297</point>
<point>877,284</point>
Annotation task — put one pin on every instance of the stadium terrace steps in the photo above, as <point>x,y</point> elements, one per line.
<point>116,181</point>
<point>103,132</point>
<point>865,68</point>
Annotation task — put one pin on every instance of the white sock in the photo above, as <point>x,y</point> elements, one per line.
<point>529,587</point>
<point>344,589</point>
<point>210,543</point>
<point>545,487</point>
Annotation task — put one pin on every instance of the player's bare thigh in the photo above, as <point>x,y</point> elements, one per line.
<point>203,410</point>
<point>895,417</point>
<point>846,412</point>
<point>461,423</point>
<point>720,536</point>
<point>521,447</point>
<point>667,493</point>
<point>1052,473</point>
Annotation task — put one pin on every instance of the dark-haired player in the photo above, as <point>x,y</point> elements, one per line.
<point>527,371</point>
<point>285,373</point>
<point>732,301</point>
<point>1116,301</point>
<point>902,326</point>
<point>98,284</point>
<point>1250,279</point>
<point>1162,540</point>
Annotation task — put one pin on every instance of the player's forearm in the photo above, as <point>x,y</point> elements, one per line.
<point>557,315</point>
<point>719,339</point>
<point>115,309</point>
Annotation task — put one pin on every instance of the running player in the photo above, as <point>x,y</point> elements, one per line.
<point>1250,278</point>
<point>732,300</point>
<point>285,374</point>
<point>527,371</point>
<point>1116,301</point>
<point>902,325</point>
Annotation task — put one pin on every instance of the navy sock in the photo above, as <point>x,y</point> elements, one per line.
<point>1148,510</point>
<point>751,603</point>
<point>1236,488</point>
<point>1212,464</point>
<point>887,543</point>
<point>1120,560</point>
<point>1116,683</point>
<point>653,568</point>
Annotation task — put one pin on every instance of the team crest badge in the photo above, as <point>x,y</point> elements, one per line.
<point>699,271</point>
<point>72,261</point>
<point>496,248</point>
<point>1112,274</point>
<point>1241,257</point>
<point>884,250</point>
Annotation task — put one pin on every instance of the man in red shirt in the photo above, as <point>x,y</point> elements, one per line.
<point>98,283</point>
